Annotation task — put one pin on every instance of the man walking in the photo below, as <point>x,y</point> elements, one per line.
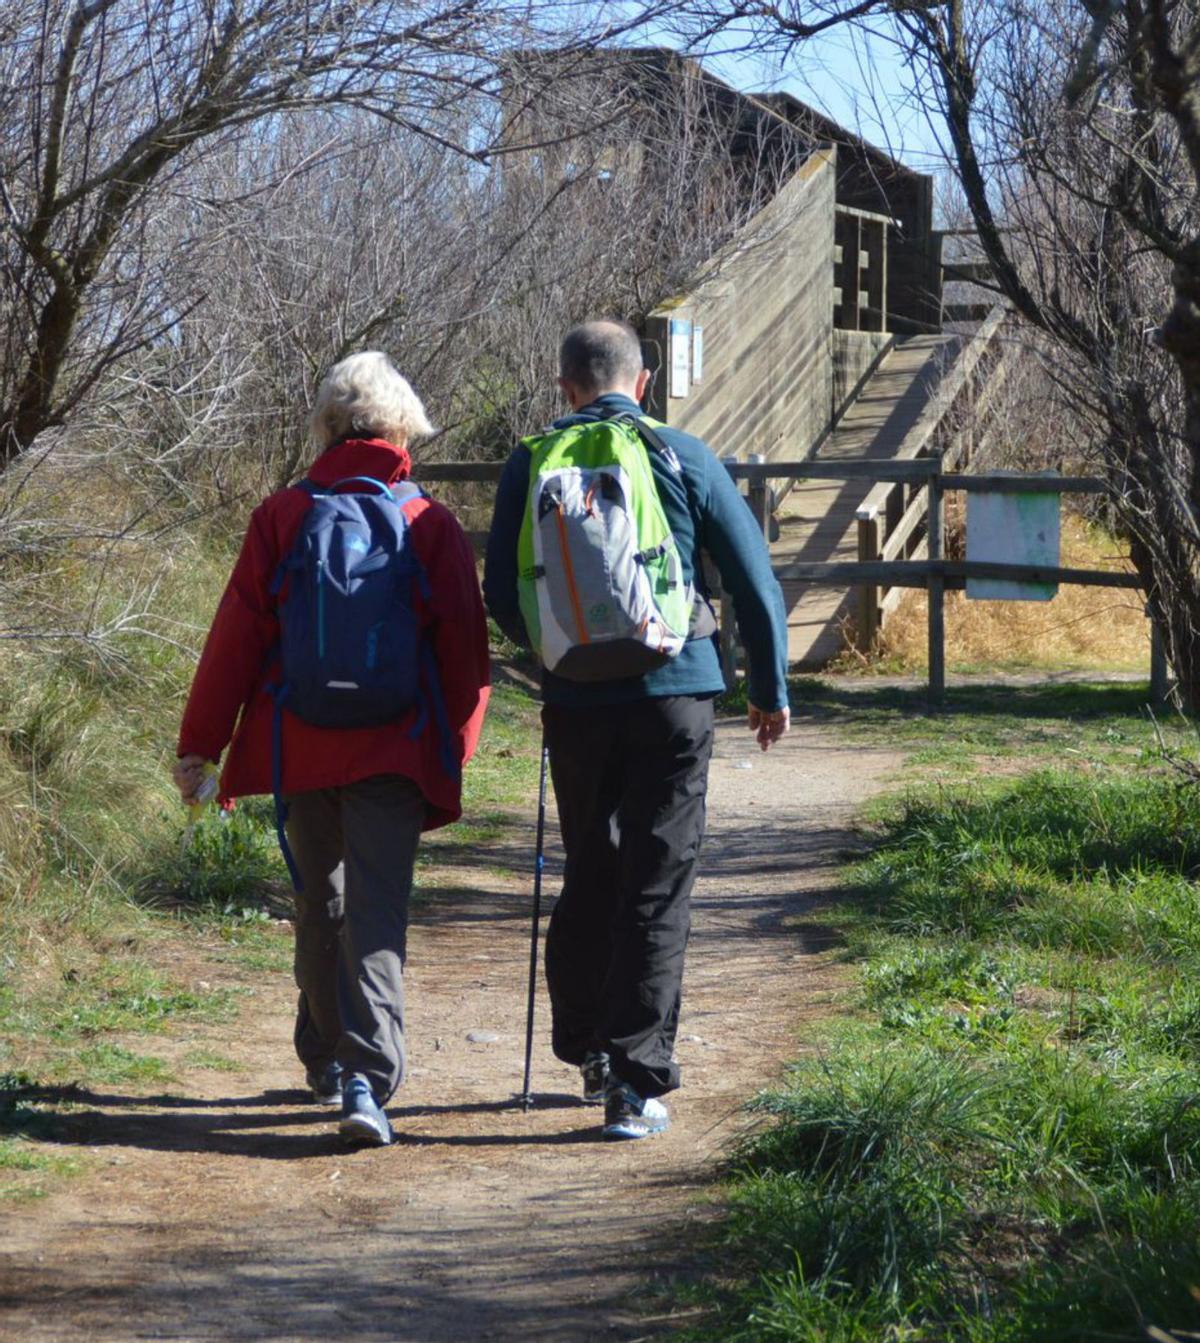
<point>629,753</point>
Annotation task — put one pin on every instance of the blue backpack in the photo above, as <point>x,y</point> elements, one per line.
<point>351,650</point>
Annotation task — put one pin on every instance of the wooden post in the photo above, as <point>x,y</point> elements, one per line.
<point>868,593</point>
<point>759,498</point>
<point>1159,678</point>
<point>937,596</point>
<point>849,272</point>
<point>874,241</point>
<point>727,638</point>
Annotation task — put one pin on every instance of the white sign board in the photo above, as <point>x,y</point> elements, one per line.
<point>1012,529</point>
<point>681,356</point>
<point>697,354</point>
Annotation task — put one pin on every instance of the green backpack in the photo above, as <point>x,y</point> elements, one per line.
<point>600,579</point>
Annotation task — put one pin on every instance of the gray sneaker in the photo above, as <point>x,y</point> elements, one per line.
<point>628,1115</point>
<point>363,1120</point>
<point>594,1071</point>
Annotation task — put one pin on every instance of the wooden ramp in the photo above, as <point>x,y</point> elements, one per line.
<point>817,518</point>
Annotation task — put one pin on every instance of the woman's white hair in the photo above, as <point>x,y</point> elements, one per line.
<point>363,394</point>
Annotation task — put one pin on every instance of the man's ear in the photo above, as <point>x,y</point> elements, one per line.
<point>639,388</point>
<point>569,392</point>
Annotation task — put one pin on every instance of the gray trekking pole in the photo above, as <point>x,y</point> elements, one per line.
<point>526,1097</point>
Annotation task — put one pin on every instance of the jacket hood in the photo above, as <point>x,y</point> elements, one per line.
<point>374,457</point>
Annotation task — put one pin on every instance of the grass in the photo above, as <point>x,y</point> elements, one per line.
<point>114,925</point>
<point>1000,1140</point>
<point>995,724</point>
<point>505,767</point>
<point>1086,628</point>
<point>28,1169</point>
<point>27,1172</point>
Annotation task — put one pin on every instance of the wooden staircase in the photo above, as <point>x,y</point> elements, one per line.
<point>817,518</point>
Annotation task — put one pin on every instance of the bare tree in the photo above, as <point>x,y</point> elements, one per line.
<point>270,256</point>
<point>1073,128</point>
<point>106,104</point>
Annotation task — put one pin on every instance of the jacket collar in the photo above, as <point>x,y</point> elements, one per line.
<point>610,403</point>
<point>374,457</point>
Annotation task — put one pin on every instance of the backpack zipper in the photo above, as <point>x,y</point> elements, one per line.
<point>321,610</point>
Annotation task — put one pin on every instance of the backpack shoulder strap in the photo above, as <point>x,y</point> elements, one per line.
<point>703,623</point>
<point>649,436</point>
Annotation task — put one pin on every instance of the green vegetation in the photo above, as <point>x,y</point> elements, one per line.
<point>24,1163</point>
<point>505,767</point>
<point>1001,1139</point>
<point>1080,723</point>
<point>121,932</point>
<point>105,914</point>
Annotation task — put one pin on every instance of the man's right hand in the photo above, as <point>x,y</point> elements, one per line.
<point>768,727</point>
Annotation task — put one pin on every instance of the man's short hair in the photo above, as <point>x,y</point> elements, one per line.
<point>600,355</point>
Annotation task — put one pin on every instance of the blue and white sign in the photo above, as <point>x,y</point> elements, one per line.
<point>1013,529</point>
<point>681,357</point>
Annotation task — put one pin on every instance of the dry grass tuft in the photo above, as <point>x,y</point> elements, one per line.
<point>1101,629</point>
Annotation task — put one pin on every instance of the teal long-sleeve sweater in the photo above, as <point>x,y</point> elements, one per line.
<point>705,512</point>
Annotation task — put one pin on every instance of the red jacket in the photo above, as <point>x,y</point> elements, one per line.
<point>234,668</point>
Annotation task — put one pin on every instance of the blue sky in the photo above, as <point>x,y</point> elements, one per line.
<point>856,79</point>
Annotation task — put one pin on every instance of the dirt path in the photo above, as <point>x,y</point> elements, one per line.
<point>227,1210</point>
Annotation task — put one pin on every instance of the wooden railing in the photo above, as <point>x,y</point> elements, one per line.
<point>924,478</point>
<point>860,269</point>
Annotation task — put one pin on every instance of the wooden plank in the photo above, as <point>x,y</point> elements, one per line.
<point>874,470</point>
<point>758,500</point>
<point>855,213</point>
<point>937,597</point>
<point>915,573</point>
<point>965,312</point>
<point>891,599</point>
<point>918,469</point>
<point>1030,573</point>
<point>973,272</point>
<point>991,388</point>
<point>914,514</point>
<point>851,573</point>
<point>457,471</point>
<point>868,593</point>
<point>996,482</point>
<point>727,625</point>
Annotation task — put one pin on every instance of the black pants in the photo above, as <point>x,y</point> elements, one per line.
<point>630,782</point>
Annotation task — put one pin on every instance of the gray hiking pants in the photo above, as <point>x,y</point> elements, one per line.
<point>354,847</point>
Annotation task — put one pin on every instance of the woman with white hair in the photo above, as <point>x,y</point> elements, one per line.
<point>358,797</point>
